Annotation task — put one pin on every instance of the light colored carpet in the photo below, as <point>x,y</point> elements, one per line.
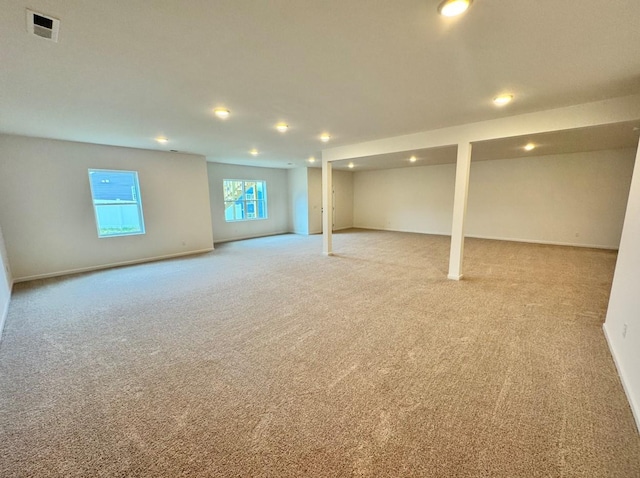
<point>265,358</point>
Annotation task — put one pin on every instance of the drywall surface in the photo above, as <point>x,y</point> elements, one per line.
<point>47,213</point>
<point>315,200</point>
<point>417,199</point>
<point>622,326</point>
<point>299,207</point>
<point>6,282</point>
<point>342,199</point>
<point>277,202</point>
<point>577,199</point>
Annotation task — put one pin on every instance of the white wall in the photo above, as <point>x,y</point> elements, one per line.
<point>416,199</point>
<point>343,199</point>
<point>277,202</point>
<point>537,199</point>
<point>577,199</point>
<point>6,282</point>
<point>624,301</point>
<point>298,196</point>
<point>47,214</point>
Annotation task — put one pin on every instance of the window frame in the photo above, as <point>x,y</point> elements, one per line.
<point>136,200</point>
<point>259,204</point>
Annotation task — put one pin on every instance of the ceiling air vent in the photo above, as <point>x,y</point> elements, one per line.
<point>42,25</point>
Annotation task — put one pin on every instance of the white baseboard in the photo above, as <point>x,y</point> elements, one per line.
<point>455,277</point>
<point>550,243</point>
<point>111,265</point>
<point>635,406</point>
<point>254,236</point>
<point>411,231</point>
<point>494,238</point>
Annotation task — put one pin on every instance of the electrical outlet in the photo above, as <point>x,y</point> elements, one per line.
<point>624,331</point>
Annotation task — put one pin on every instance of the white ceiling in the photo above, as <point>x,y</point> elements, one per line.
<point>126,72</point>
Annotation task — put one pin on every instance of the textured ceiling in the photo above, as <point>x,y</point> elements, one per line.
<point>126,72</point>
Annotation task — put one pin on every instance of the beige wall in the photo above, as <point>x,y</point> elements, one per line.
<point>622,325</point>
<point>343,199</point>
<point>299,200</point>
<point>315,200</point>
<point>539,199</point>
<point>277,202</point>
<point>6,281</point>
<point>575,199</point>
<point>47,214</point>
<point>417,199</point>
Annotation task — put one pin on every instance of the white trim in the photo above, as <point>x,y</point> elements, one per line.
<point>109,266</point>
<point>635,406</point>
<point>551,243</point>
<point>493,238</point>
<point>455,277</point>
<point>242,238</point>
<point>410,231</point>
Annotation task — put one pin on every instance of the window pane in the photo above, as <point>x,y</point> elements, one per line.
<point>244,200</point>
<point>232,189</point>
<point>109,186</point>
<point>251,209</point>
<point>228,211</point>
<point>118,219</point>
<point>238,207</point>
<point>262,210</point>
<point>250,190</point>
<point>116,201</point>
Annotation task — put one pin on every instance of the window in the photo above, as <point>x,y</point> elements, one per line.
<point>116,201</point>
<point>244,200</point>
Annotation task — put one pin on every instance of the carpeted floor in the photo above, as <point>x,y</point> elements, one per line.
<point>266,359</point>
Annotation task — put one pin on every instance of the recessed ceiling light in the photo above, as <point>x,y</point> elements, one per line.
<point>254,152</point>
<point>222,113</point>
<point>282,127</point>
<point>324,137</point>
<point>312,159</point>
<point>451,8</point>
<point>529,147</point>
<point>162,139</point>
<point>413,159</point>
<point>502,100</point>
<point>351,165</point>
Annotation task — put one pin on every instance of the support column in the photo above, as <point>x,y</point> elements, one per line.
<point>463,167</point>
<point>327,209</point>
